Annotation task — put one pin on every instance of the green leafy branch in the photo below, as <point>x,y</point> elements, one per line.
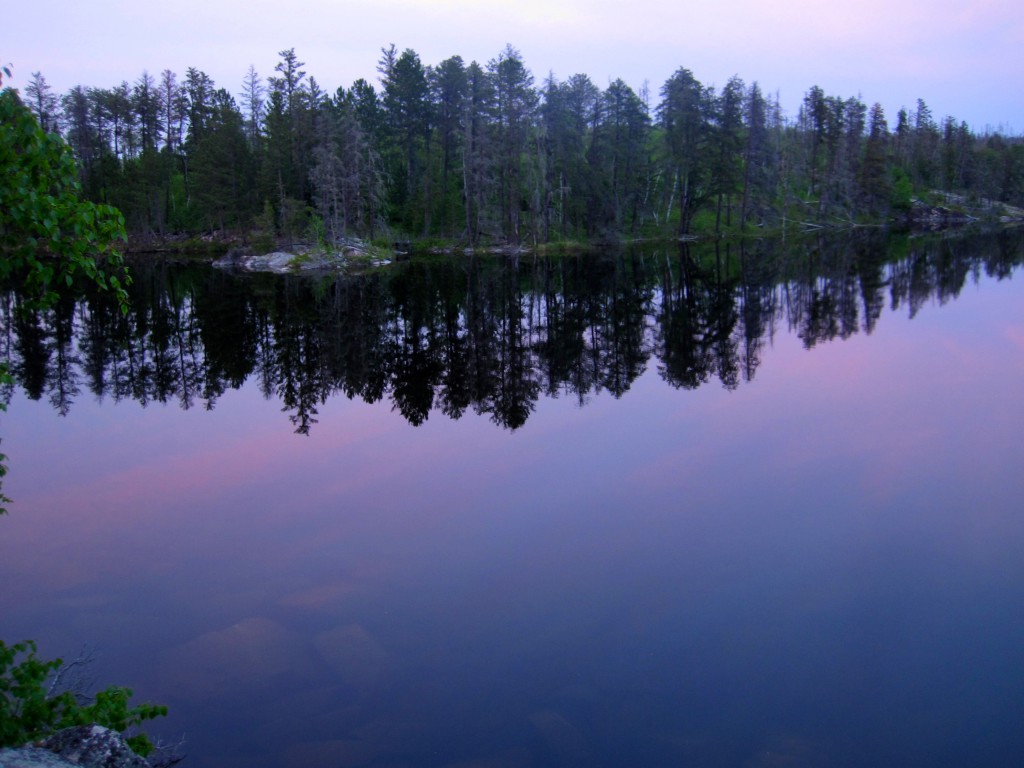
<point>48,233</point>
<point>50,236</point>
<point>29,712</point>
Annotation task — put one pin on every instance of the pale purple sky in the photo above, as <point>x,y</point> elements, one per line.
<point>965,59</point>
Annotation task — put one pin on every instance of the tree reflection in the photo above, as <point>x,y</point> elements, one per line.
<point>480,334</point>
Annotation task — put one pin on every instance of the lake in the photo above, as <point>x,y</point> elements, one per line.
<point>724,505</point>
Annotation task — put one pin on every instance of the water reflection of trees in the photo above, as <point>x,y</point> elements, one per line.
<point>485,335</point>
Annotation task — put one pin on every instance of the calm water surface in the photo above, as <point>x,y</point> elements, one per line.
<point>761,509</point>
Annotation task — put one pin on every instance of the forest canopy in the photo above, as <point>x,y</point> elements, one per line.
<point>485,153</point>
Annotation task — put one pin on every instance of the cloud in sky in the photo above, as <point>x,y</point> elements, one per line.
<point>962,58</point>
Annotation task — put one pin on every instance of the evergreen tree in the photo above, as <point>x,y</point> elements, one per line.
<point>478,153</point>
<point>147,107</point>
<point>43,103</point>
<point>222,168</point>
<point>347,183</point>
<point>685,113</point>
<point>624,134</point>
<point>756,154</point>
<point>925,138</point>
<point>253,106</point>
<point>874,181</point>
<point>406,106</point>
<point>515,102</point>
<point>727,142</point>
<point>448,85</point>
<point>289,144</point>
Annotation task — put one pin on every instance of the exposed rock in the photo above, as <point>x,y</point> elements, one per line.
<point>923,216</point>
<point>85,746</point>
<point>958,210</point>
<point>278,261</point>
<point>301,258</point>
<point>32,757</point>
<point>95,747</point>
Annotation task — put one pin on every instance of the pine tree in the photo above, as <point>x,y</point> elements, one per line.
<point>685,119</point>
<point>515,102</point>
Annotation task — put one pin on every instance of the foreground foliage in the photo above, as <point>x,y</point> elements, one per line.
<point>48,233</point>
<point>29,711</point>
<point>51,238</point>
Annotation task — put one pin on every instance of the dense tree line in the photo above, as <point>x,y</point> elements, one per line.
<point>491,336</point>
<point>484,153</point>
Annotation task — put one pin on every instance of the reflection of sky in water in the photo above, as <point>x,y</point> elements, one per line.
<point>821,567</point>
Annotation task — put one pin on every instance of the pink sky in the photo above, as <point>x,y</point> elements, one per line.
<point>963,59</point>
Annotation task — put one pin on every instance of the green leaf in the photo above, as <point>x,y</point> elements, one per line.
<point>45,220</point>
<point>28,712</point>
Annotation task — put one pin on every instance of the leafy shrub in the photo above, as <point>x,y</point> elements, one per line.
<point>30,712</point>
<point>49,234</point>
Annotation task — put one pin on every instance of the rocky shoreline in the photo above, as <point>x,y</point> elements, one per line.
<point>85,746</point>
<point>303,258</point>
<point>957,211</point>
<point>231,251</point>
